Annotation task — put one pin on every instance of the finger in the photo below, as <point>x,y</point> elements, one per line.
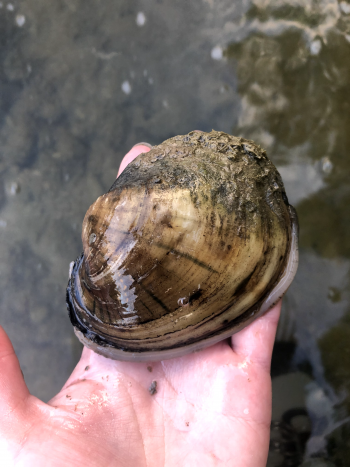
<point>134,152</point>
<point>13,388</point>
<point>256,340</point>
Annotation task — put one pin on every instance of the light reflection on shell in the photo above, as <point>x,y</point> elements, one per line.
<point>193,241</point>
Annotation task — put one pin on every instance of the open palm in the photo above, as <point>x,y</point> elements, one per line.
<point>209,408</point>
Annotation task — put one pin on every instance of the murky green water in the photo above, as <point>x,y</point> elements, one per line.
<point>82,81</point>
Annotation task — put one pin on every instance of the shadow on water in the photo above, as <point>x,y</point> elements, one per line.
<point>82,81</point>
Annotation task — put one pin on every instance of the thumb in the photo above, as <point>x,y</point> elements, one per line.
<point>256,340</point>
<point>13,389</point>
<point>134,152</point>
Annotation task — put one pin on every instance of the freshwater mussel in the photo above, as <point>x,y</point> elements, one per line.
<point>193,241</point>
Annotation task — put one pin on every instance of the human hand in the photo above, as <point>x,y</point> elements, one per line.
<point>211,407</point>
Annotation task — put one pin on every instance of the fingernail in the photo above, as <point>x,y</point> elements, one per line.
<point>143,144</point>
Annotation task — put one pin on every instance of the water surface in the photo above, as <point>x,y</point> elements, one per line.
<point>81,82</point>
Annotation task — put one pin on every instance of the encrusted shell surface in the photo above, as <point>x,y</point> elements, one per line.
<point>193,241</point>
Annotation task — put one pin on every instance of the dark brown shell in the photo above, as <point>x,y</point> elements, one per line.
<point>185,247</point>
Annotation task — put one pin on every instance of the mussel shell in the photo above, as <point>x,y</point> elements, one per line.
<point>194,240</point>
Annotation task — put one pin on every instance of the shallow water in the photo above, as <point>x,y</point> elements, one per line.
<point>81,82</point>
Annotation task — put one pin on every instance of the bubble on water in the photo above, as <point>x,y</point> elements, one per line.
<point>126,88</point>
<point>15,188</point>
<point>10,7</point>
<point>140,19</point>
<point>150,80</point>
<point>20,20</point>
<point>315,47</point>
<point>183,301</point>
<point>217,53</point>
<point>327,165</point>
<point>3,223</point>
<point>1,4</point>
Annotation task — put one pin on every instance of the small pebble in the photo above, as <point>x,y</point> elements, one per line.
<point>153,388</point>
